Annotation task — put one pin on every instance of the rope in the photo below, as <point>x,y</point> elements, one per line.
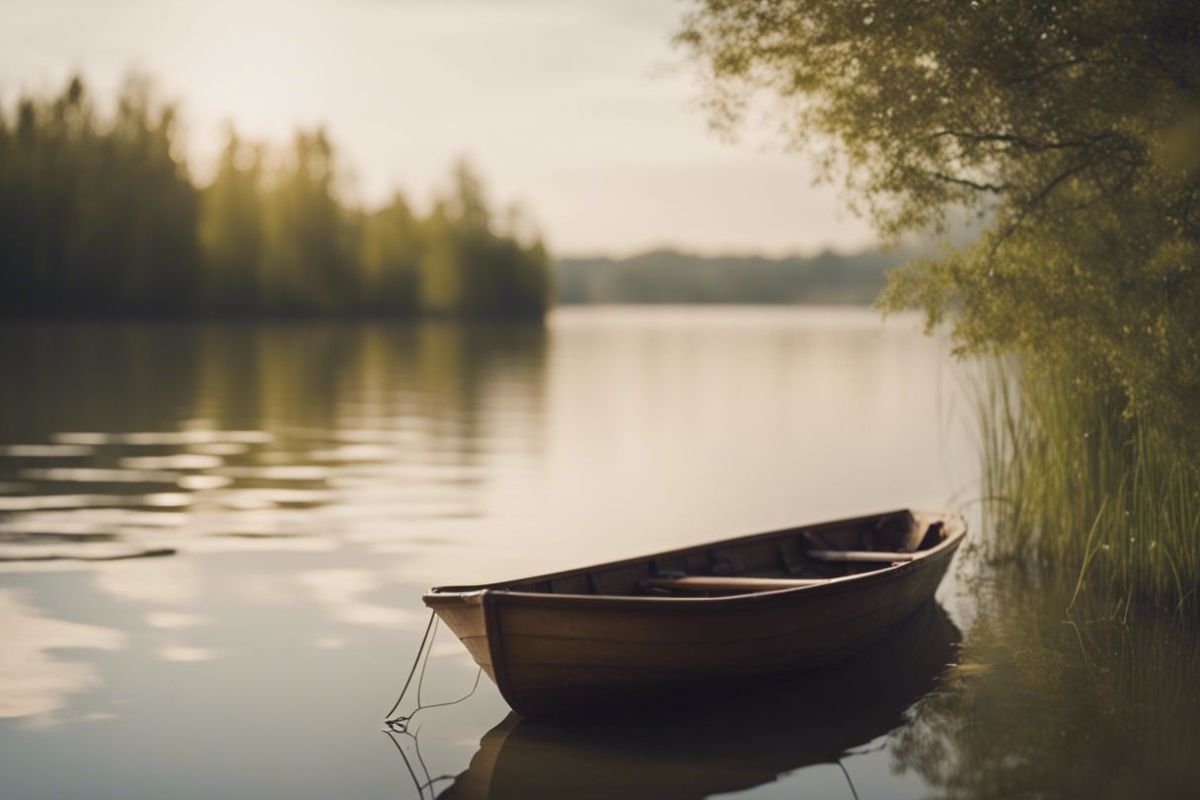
<point>413,671</point>
<point>845,772</point>
<point>402,722</point>
<point>420,785</point>
<point>416,781</point>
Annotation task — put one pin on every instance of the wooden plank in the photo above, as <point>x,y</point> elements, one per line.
<point>861,556</point>
<point>721,583</point>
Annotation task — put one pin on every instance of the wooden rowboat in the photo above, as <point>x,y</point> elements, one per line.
<point>655,626</point>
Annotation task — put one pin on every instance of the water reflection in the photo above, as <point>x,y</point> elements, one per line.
<point>1044,705</point>
<point>34,683</point>
<point>720,744</point>
<point>310,480</point>
<point>323,475</point>
<point>243,431</point>
<point>171,582</point>
<point>344,593</point>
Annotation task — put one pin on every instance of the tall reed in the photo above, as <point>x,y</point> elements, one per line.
<point>1100,500</point>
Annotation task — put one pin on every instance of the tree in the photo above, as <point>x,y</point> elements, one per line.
<point>391,247</point>
<point>1072,126</point>
<point>309,260</point>
<point>470,268</point>
<point>99,215</point>
<point>231,228</point>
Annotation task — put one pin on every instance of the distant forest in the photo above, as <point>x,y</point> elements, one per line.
<point>668,276</point>
<point>99,215</point>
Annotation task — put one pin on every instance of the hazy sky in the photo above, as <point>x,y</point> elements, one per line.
<point>563,105</point>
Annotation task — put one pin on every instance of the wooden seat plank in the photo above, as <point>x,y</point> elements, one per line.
<point>863,556</point>
<point>722,583</point>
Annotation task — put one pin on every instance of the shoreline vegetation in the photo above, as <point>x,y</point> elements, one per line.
<point>1104,503</point>
<point>1072,132</point>
<point>102,218</point>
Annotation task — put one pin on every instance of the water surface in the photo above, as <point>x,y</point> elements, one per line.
<point>213,540</point>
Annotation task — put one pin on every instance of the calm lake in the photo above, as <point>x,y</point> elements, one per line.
<point>214,538</point>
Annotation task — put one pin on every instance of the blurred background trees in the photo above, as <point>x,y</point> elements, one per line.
<point>100,215</point>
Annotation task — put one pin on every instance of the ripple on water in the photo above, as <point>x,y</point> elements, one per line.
<point>46,450</point>
<point>66,501</point>
<point>223,449</point>
<point>163,438</point>
<point>231,543</point>
<point>88,550</point>
<point>93,520</point>
<point>94,475</point>
<point>262,498</point>
<point>389,471</point>
<point>55,536</point>
<point>174,461</point>
<point>203,482</point>
<point>303,473</point>
<point>353,453</point>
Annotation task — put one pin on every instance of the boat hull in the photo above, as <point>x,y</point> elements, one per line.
<point>733,741</point>
<point>554,654</point>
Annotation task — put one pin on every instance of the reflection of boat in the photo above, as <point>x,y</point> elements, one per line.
<point>649,627</point>
<point>728,743</point>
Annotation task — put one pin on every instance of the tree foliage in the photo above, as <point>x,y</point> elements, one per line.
<point>95,214</point>
<point>100,216</point>
<point>1071,126</point>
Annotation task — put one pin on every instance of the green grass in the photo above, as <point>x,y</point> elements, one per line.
<point>1103,502</point>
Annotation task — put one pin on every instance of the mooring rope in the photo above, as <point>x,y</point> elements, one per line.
<point>846,772</point>
<point>416,781</point>
<point>401,722</point>
<point>421,785</point>
<point>388,719</point>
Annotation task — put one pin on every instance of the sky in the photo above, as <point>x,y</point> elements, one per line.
<point>579,111</point>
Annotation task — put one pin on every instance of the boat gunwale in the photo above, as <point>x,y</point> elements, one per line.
<point>834,586</point>
<point>490,593</point>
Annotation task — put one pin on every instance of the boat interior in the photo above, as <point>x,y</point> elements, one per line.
<point>786,559</point>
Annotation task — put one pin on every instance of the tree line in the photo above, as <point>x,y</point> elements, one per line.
<point>670,276</point>
<point>100,215</point>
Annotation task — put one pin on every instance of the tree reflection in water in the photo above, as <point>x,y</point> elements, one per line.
<point>1097,705</point>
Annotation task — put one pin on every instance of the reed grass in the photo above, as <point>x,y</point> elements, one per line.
<point>1085,493</point>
